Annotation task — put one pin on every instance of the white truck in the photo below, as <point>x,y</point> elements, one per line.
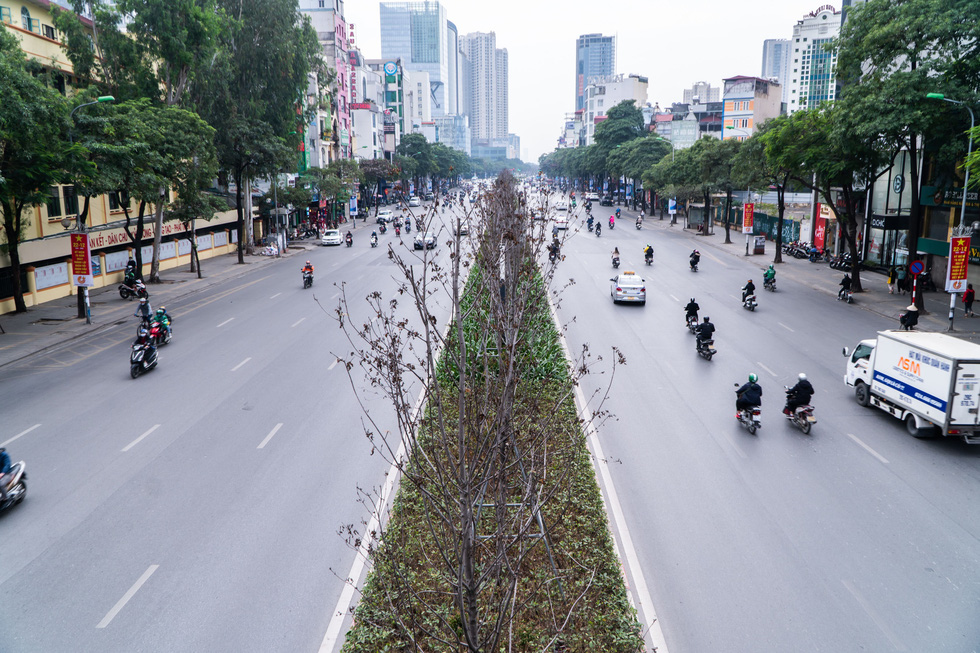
<point>930,381</point>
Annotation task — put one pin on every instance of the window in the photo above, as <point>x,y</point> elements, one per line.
<point>322,4</point>
<point>71,201</point>
<point>49,32</point>
<point>114,201</point>
<point>25,18</point>
<point>5,16</point>
<point>54,203</point>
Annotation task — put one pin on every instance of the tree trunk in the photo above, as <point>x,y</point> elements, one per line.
<point>249,219</point>
<point>80,294</point>
<point>137,239</point>
<point>781,203</point>
<point>728,210</point>
<point>706,217</point>
<point>241,219</point>
<point>193,267</point>
<point>915,211</point>
<point>11,228</point>
<point>157,238</point>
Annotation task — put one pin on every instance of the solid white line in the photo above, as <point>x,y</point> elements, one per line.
<point>276,295</point>
<point>867,448</point>
<point>296,324</point>
<point>269,437</point>
<point>128,595</point>
<point>22,433</point>
<point>235,369</point>
<point>225,322</point>
<point>333,365</point>
<point>137,440</point>
<point>766,368</point>
<point>869,609</point>
<point>786,327</point>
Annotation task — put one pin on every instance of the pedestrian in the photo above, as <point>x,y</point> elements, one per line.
<point>910,318</point>
<point>892,277</point>
<point>968,298</point>
<point>901,279</point>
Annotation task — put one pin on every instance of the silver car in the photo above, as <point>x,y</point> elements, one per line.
<point>629,288</point>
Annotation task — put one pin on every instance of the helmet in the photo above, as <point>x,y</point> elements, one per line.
<point>753,377</point>
<point>693,300</point>
<point>707,319</point>
<point>142,300</point>
<point>308,263</point>
<point>802,376</point>
<point>162,309</point>
<point>143,332</point>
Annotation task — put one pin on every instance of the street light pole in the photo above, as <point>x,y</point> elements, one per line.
<point>961,230</point>
<point>84,309</point>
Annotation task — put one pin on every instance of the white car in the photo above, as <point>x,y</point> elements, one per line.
<point>593,197</point>
<point>628,287</point>
<point>331,237</point>
<point>561,206</point>
<point>414,201</point>
<point>385,215</point>
<point>561,222</point>
<point>427,240</point>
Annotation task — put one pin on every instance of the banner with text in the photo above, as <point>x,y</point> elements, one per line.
<point>748,215</point>
<point>81,261</point>
<point>959,259</point>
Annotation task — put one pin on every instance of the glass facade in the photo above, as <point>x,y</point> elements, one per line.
<point>417,34</point>
<point>595,56</point>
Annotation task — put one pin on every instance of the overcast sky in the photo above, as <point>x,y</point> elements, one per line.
<point>672,43</point>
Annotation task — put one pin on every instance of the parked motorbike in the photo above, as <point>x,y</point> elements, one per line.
<point>769,284</point>
<point>749,417</point>
<point>136,289</point>
<point>615,261</point>
<point>161,335</point>
<point>15,482</point>
<point>802,416</point>
<point>307,279</point>
<point>705,350</point>
<point>143,359</point>
<point>749,303</point>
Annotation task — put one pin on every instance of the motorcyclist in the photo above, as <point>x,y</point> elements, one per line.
<point>798,395</point>
<point>748,289</point>
<point>615,254</point>
<point>695,259</point>
<point>845,286</point>
<point>308,268</point>
<point>143,338</point>
<point>769,275</point>
<point>129,278</point>
<point>617,213</point>
<point>909,318</point>
<point>612,222</point>
<point>749,395</point>
<point>382,228</point>
<point>705,332</point>
<point>5,465</point>
<point>691,310</point>
<point>648,252</point>
<point>639,221</point>
<point>349,239</point>
<point>590,221</point>
<point>598,228</point>
<point>374,236</point>
<point>163,317</point>
<point>144,310</point>
<point>554,250</point>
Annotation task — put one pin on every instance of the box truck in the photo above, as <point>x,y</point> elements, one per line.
<point>930,381</point>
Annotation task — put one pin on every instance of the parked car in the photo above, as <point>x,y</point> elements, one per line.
<point>426,240</point>
<point>331,237</point>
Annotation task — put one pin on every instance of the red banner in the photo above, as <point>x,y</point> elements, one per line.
<point>748,217</point>
<point>959,258</point>
<point>80,260</point>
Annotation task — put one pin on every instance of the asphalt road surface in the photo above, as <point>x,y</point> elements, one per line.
<point>196,508</point>
<point>856,537</point>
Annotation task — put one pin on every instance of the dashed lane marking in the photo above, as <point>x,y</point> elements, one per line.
<point>225,322</point>
<point>786,327</point>
<point>127,596</point>
<point>276,295</point>
<point>19,435</point>
<point>140,438</point>
<point>766,369</point>
<point>269,437</point>
<point>297,322</point>
<point>867,448</point>
<point>235,369</point>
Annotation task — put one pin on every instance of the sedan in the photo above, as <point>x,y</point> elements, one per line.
<point>331,237</point>
<point>561,206</point>
<point>415,201</point>
<point>385,215</point>
<point>561,222</point>
<point>606,201</point>
<point>426,240</point>
<point>628,287</point>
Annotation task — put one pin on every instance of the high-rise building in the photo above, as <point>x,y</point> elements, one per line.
<point>418,34</point>
<point>595,56</point>
<point>701,92</point>
<point>452,78</point>
<point>775,63</point>
<point>813,69</point>
<point>488,77</point>
<point>327,18</point>
<point>603,93</point>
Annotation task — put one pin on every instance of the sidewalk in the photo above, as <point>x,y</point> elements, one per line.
<point>55,323</point>
<point>874,297</point>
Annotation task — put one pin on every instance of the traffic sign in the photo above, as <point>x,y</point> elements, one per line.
<point>916,267</point>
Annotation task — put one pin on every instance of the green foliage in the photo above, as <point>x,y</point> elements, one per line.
<point>623,123</point>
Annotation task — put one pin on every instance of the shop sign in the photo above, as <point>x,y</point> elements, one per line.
<point>956,267</point>
<point>933,196</point>
<point>890,222</point>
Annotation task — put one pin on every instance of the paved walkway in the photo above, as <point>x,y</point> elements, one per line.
<point>820,276</point>
<point>55,323</point>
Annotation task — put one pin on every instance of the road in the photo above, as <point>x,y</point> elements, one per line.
<point>856,537</point>
<point>198,507</point>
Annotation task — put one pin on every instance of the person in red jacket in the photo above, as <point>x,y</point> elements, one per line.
<point>968,298</point>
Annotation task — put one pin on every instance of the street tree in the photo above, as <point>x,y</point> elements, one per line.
<point>34,148</point>
<point>377,172</point>
<point>717,164</point>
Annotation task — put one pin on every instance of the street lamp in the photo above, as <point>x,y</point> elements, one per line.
<point>83,303</point>
<point>961,231</point>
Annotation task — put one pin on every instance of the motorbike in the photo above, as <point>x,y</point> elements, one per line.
<point>398,231</point>
<point>350,241</point>
<point>136,289</point>
<point>615,261</point>
<point>694,265</point>
<point>598,230</point>
<point>769,284</point>
<point>612,224</point>
<point>749,417</point>
<point>374,241</point>
<point>639,225</point>
<point>845,296</point>
<point>749,303</point>
<point>692,323</point>
<point>15,482</point>
<point>307,279</point>
<point>161,335</point>
<point>802,416</point>
<point>590,222</point>
<point>143,359</point>
<point>408,227</point>
<point>382,228</point>
<point>705,350</point>
<point>552,256</point>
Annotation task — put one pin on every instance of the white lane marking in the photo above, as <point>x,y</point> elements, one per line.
<point>276,295</point>
<point>19,435</point>
<point>269,437</point>
<point>867,448</point>
<point>875,617</point>
<point>333,365</point>
<point>672,297</point>
<point>235,369</point>
<point>786,327</point>
<point>140,438</point>
<point>128,595</point>
<point>766,368</point>
<point>619,519</point>
<point>296,324</point>
<point>225,322</point>
<point>335,295</point>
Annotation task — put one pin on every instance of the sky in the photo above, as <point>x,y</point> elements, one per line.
<point>674,44</point>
